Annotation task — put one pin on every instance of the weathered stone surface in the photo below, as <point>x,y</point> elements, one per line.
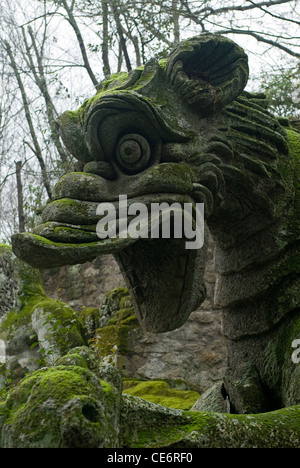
<point>17,279</point>
<point>181,357</point>
<point>77,409</point>
<point>34,329</point>
<point>193,356</point>
<point>183,129</point>
<point>146,151</point>
<point>145,424</point>
<point>213,400</point>
<point>64,406</point>
<point>78,402</point>
<point>83,285</point>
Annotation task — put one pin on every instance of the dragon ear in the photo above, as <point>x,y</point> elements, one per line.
<point>208,71</point>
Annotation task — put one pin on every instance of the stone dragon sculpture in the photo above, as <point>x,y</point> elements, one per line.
<point>183,129</point>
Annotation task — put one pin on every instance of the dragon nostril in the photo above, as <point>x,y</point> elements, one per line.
<point>133,152</point>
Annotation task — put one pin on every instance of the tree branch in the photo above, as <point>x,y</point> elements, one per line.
<point>281,18</point>
<point>42,84</point>
<point>80,41</point>
<point>36,149</point>
<point>260,38</point>
<point>194,16</point>
<point>252,6</point>
<point>116,15</point>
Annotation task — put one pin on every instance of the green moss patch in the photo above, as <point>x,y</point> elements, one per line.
<point>159,392</point>
<point>294,145</point>
<point>114,337</point>
<point>59,407</point>
<point>146,425</point>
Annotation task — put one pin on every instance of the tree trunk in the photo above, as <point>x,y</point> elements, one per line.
<point>105,59</point>
<point>176,21</point>
<point>40,80</point>
<point>121,36</point>
<point>80,41</point>
<point>20,197</point>
<point>36,147</point>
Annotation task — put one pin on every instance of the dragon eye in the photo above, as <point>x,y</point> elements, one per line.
<point>133,152</point>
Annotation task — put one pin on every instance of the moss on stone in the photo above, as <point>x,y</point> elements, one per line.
<point>54,385</point>
<point>278,429</point>
<point>60,407</point>
<point>76,408</point>
<point>117,311</point>
<point>279,367</point>
<point>159,392</point>
<point>34,248</point>
<point>39,327</point>
<point>15,319</point>
<point>67,328</point>
<point>146,425</point>
<point>117,306</point>
<point>115,80</point>
<point>29,279</point>
<point>123,316</point>
<point>113,339</point>
<point>294,145</point>
<point>90,317</point>
<point>74,211</point>
<point>116,295</point>
<point>73,137</point>
<point>30,291</point>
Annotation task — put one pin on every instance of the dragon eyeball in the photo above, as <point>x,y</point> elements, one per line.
<point>133,152</point>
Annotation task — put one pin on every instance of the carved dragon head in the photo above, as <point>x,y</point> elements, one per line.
<point>169,131</point>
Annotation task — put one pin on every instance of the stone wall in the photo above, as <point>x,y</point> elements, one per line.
<point>83,285</point>
<point>195,353</point>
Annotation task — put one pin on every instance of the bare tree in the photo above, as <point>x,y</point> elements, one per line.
<point>20,196</point>
<point>72,20</point>
<point>122,41</point>
<point>35,146</point>
<point>229,18</point>
<point>152,26</point>
<point>38,73</point>
<point>105,39</point>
